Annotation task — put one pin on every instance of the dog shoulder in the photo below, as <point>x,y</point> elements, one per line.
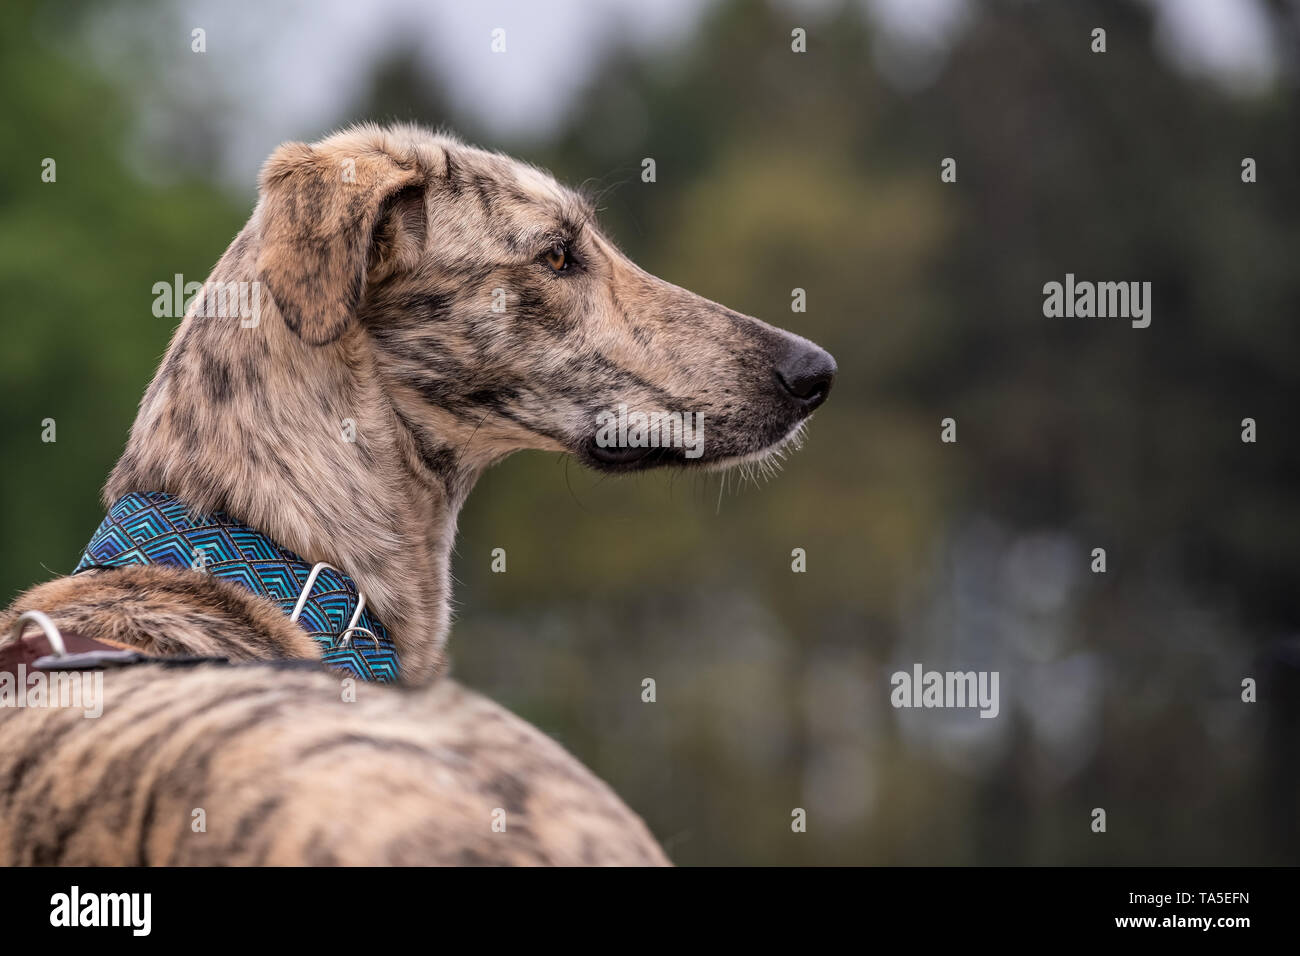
<point>262,765</point>
<point>167,611</point>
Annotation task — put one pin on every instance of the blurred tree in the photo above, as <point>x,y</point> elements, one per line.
<point>78,260</point>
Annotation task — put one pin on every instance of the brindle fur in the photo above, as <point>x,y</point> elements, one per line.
<point>287,773</point>
<point>382,251</point>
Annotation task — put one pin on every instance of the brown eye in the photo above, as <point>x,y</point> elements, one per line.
<point>557,257</point>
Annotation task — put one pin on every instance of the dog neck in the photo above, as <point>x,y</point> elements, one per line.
<point>306,444</point>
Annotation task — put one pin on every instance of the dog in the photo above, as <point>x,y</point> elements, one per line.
<point>426,309</point>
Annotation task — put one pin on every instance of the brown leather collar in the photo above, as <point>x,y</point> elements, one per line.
<point>84,653</point>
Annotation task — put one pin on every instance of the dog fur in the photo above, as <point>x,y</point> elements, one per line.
<point>430,309</point>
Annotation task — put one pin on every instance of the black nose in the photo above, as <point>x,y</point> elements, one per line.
<point>806,372</point>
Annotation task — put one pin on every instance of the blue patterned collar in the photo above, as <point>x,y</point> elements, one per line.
<point>156,528</point>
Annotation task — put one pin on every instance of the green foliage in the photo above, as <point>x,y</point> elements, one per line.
<point>78,260</point>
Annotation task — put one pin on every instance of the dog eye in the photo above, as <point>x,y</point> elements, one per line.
<point>557,257</point>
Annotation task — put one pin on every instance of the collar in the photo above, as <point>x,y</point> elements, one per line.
<point>157,528</point>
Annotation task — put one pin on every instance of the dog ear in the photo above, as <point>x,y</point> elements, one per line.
<point>330,223</point>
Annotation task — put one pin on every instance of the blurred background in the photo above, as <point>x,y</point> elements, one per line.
<point>776,170</point>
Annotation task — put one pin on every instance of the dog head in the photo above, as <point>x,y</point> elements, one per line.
<point>502,318</point>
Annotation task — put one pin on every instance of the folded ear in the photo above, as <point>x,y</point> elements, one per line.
<point>328,223</point>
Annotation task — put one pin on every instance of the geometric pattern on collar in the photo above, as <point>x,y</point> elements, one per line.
<point>157,528</point>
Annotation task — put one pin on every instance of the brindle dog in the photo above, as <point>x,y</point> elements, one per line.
<point>453,306</point>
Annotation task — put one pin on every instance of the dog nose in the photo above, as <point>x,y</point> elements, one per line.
<point>806,372</point>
